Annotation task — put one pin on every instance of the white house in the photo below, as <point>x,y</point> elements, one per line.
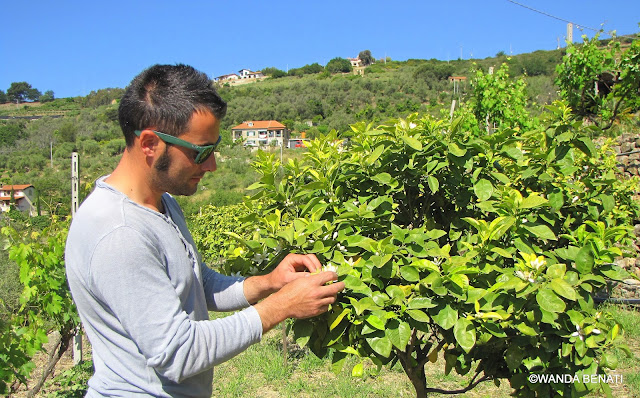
<point>256,133</point>
<point>23,198</point>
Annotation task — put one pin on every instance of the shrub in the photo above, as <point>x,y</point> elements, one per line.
<point>479,251</point>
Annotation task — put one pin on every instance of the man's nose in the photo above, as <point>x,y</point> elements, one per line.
<point>210,164</point>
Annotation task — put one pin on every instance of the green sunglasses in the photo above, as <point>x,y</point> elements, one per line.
<point>203,152</point>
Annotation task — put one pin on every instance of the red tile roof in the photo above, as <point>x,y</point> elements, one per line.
<point>260,124</point>
<point>15,187</point>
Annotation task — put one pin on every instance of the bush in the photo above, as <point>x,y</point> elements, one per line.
<point>208,229</point>
<point>479,251</point>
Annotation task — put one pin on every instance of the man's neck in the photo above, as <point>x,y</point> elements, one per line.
<point>133,181</point>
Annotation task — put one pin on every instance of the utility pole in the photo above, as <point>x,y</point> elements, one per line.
<point>570,33</point>
<point>75,178</point>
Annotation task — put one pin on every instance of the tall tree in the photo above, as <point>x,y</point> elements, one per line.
<point>48,96</point>
<point>339,65</point>
<point>22,91</point>
<point>3,97</point>
<point>366,57</point>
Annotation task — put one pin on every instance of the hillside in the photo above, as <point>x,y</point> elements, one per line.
<point>36,142</point>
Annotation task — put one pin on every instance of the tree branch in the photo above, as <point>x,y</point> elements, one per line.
<point>471,386</point>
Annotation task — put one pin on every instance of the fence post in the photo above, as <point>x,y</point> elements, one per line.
<point>75,178</point>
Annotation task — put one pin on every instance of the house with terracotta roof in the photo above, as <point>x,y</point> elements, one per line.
<point>23,198</point>
<point>258,133</point>
<point>231,76</point>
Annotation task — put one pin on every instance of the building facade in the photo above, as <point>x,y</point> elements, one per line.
<point>23,198</point>
<point>261,133</point>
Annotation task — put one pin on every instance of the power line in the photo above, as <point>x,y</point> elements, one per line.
<point>552,16</point>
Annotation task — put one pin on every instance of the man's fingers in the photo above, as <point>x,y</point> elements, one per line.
<point>300,262</point>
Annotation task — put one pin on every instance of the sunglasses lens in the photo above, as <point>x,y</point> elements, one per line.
<point>204,155</point>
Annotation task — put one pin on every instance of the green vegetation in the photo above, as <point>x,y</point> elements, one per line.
<point>473,241</point>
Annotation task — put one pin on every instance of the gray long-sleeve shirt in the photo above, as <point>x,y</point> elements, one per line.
<point>143,296</point>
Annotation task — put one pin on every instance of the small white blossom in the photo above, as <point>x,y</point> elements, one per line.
<point>253,270</point>
<point>524,221</point>
<point>335,235</point>
<point>412,125</point>
<point>578,333</point>
<point>349,261</point>
<point>342,248</point>
<point>330,267</point>
<point>538,262</point>
<point>259,258</point>
<point>575,199</point>
<point>596,331</point>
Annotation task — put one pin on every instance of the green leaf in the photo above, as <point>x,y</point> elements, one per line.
<point>409,273</point>
<point>381,345</point>
<point>526,329</point>
<point>420,303</point>
<point>419,316</point>
<point>556,200</point>
<point>356,285</point>
<point>483,189</point>
<point>375,155</point>
<point>384,179</point>
<point>375,321</point>
<point>533,200</point>
<point>446,318</point>
<point>334,322</point>
<point>564,289</point>
<point>514,356</point>
<point>585,144</point>
<point>412,142</point>
<point>584,260</point>
<point>549,301</point>
<point>434,184</point>
<point>399,333</point>
<point>541,231</point>
<point>465,334</point>
<point>358,370</point>
<point>302,330</point>
<point>616,273</point>
<point>337,361</point>
<point>456,151</point>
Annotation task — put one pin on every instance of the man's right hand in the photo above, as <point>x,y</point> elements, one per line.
<point>302,298</point>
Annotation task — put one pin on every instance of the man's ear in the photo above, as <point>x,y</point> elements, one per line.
<point>149,142</point>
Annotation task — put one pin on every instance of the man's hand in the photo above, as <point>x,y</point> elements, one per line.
<point>304,297</point>
<point>292,267</point>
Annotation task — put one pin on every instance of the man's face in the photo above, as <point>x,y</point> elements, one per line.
<point>175,171</point>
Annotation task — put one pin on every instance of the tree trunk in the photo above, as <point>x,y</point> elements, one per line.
<point>60,346</point>
<point>415,373</point>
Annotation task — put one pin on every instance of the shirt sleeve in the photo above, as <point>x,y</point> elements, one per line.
<point>133,284</point>
<point>223,293</point>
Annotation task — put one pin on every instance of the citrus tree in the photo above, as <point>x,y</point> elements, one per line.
<point>476,252</point>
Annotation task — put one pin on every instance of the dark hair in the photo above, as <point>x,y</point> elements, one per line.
<point>165,97</point>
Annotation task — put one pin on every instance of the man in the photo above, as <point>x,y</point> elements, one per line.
<point>140,288</point>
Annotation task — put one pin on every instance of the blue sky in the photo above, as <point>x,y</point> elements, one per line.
<point>73,47</point>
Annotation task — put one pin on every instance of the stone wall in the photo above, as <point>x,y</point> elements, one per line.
<point>628,156</point>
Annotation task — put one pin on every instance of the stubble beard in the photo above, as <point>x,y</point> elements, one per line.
<point>164,181</point>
